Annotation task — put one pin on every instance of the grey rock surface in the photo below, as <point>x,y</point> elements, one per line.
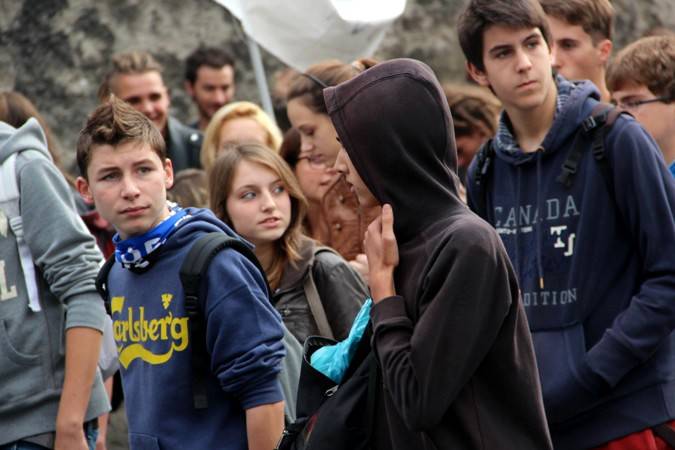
<point>56,51</point>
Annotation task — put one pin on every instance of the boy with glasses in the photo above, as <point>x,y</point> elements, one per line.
<point>642,81</point>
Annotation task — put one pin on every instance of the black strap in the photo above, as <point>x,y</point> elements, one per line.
<point>373,380</point>
<point>595,128</point>
<point>484,159</point>
<point>102,281</point>
<point>192,271</point>
<point>666,433</point>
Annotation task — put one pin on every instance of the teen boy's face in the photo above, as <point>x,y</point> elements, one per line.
<point>128,184</point>
<point>146,93</point>
<point>517,67</point>
<point>656,117</point>
<point>574,54</point>
<point>344,165</point>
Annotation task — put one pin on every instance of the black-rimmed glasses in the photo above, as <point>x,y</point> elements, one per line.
<point>635,103</point>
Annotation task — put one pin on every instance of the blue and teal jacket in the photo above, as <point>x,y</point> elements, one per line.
<point>243,333</point>
<point>596,271</point>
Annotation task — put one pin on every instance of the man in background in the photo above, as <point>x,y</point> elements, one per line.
<point>209,80</point>
<point>136,78</point>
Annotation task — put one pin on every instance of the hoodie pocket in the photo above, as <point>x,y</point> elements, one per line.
<point>21,373</point>
<point>568,385</point>
<point>139,441</point>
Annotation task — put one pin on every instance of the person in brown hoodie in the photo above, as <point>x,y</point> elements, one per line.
<point>449,331</point>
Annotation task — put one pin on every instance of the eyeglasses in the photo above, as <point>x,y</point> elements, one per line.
<point>315,161</point>
<point>635,103</point>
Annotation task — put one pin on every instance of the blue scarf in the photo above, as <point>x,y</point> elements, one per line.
<point>133,253</point>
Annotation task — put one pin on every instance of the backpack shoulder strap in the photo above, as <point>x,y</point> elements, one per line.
<point>595,128</point>
<point>192,272</point>
<point>484,160</point>
<point>313,298</point>
<point>102,281</point>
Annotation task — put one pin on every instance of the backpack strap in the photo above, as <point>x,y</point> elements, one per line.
<point>9,200</point>
<point>484,159</point>
<point>595,127</point>
<point>666,433</point>
<point>102,281</point>
<point>192,271</point>
<point>313,298</point>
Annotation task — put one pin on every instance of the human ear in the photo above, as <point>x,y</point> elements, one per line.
<point>604,50</point>
<point>189,88</point>
<point>82,186</point>
<point>168,173</point>
<point>479,76</point>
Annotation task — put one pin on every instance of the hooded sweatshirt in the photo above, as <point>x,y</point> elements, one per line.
<point>32,343</point>
<point>456,358</point>
<point>243,339</point>
<point>597,271</point>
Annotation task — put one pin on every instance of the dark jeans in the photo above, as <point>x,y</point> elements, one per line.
<point>90,434</point>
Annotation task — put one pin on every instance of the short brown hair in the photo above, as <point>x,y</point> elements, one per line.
<point>190,188</point>
<point>113,123</point>
<point>134,62</point>
<point>595,17</point>
<point>310,84</point>
<point>221,176</point>
<point>472,108</point>
<point>649,62</point>
<point>479,15</point>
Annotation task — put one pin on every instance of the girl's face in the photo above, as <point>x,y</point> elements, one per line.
<point>317,133</point>
<point>318,150</point>
<point>258,205</point>
<point>314,175</point>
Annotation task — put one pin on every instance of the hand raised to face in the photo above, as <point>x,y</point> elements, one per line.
<point>382,253</point>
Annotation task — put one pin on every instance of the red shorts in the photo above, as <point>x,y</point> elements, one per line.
<point>642,440</point>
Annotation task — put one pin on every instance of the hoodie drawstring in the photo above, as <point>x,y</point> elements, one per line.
<point>540,271</point>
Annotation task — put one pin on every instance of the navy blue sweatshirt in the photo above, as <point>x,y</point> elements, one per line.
<point>596,270</point>
<point>243,338</point>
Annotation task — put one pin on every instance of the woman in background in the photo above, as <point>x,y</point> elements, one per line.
<point>238,122</point>
<point>335,218</point>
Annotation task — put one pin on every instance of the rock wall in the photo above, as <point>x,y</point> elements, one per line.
<point>56,51</point>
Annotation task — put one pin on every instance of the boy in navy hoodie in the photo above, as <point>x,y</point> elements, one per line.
<point>125,173</point>
<point>594,258</point>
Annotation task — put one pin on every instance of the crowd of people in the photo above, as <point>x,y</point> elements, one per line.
<point>480,264</point>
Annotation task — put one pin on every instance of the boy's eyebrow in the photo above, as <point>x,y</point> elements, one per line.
<point>534,34</point>
<point>499,47</point>
<point>116,167</point>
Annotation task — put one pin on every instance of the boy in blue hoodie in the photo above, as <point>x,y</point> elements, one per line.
<point>595,257</point>
<point>125,173</point>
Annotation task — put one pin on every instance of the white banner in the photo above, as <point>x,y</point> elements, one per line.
<point>303,32</point>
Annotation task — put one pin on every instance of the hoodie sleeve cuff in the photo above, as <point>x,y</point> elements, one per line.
<point>389,312</point>
<point>85,310</point>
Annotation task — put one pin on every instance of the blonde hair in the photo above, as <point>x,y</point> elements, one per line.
<point>231,111</point>
<point>220,178</point>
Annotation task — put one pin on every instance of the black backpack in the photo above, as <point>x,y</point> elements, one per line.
<point>192,271</point>
<point>334,416</point>
<point>594,128</point>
